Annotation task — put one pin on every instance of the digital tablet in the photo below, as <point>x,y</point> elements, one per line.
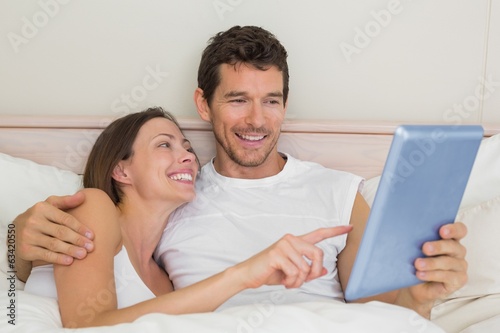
<point>420,190</point>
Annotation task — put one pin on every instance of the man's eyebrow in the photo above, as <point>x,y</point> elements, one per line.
<point>275,94</point>
<point>236,93</point>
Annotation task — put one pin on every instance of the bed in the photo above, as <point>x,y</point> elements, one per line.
<point>41,156</point>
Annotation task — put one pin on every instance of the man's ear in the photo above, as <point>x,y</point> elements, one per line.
<point>119,174</point>
<point>201,105</point>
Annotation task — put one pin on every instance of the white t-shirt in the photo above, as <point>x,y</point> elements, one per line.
<point>232,219</point>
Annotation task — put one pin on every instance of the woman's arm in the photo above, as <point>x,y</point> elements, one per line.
<point>86,289</point>
<point>281,263</point>
<point>87,294</point>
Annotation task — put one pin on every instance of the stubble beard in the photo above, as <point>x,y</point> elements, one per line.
<point>247,158</point>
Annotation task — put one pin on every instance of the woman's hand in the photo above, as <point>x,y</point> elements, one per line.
<point>285,262</point>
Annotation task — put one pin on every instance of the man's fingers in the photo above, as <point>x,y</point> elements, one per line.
<point>67,228</point>
<point>42,236</point>
<point>66,201</point>
<point>64,240</point>
<point>448,247</point>
<point>457,230</point>
<point>58,246</point>
<point>443,282</point>
<point>56,258</point>
<point>45,228</point>
<point>55,223</point>
<point>446,263</point>
<point>445,270</point>
<point>60,217</point>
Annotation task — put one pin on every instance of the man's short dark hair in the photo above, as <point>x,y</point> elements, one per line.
<point>249,45</point>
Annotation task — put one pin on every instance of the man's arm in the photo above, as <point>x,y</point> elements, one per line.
<point>44,232</point>
<point>442,272</point>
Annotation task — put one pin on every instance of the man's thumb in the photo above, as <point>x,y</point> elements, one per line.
<point>66,201</point>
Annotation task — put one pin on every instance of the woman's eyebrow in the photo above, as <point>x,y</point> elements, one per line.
<point>173,137</point>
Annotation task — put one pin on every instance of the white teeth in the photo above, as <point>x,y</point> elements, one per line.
<point>182,176</point>
<point>251,138</point>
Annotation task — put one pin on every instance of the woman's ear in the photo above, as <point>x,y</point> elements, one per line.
<point>201,105</point>
<point>119,174</point>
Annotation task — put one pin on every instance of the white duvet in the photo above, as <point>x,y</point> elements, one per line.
<point>40,315</point>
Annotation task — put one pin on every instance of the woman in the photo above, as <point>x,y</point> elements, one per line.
<point>139,171</point>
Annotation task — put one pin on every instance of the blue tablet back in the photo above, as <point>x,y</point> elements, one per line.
<point>420,190</point>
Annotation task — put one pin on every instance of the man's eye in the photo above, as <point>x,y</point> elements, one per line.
<point>237,101</point>
<point>273,101</point>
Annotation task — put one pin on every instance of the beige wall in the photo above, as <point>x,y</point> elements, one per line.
<point>397,60</point>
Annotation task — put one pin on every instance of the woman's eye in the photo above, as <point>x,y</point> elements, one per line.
<point>165,144</point>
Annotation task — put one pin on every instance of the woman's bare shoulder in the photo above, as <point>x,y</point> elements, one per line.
<point>98,212</point>
<point>95,194</point>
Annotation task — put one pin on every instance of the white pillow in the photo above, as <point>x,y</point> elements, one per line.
<point>479,299</point>
<point>22,184</point>
<point>483,249</point>
<point>484,181</point>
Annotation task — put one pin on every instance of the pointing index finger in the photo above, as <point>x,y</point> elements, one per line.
<point>318,235</point>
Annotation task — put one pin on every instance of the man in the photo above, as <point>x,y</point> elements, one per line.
<point>251,194</point>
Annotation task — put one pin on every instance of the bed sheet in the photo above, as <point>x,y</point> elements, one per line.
<point>40,314</point>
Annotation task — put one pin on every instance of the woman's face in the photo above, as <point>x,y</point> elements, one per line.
<point>162,166</point>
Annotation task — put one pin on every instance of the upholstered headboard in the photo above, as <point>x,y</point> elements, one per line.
<point>65,141</point>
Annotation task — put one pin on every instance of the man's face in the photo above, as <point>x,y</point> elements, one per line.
<point>246,113</point>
